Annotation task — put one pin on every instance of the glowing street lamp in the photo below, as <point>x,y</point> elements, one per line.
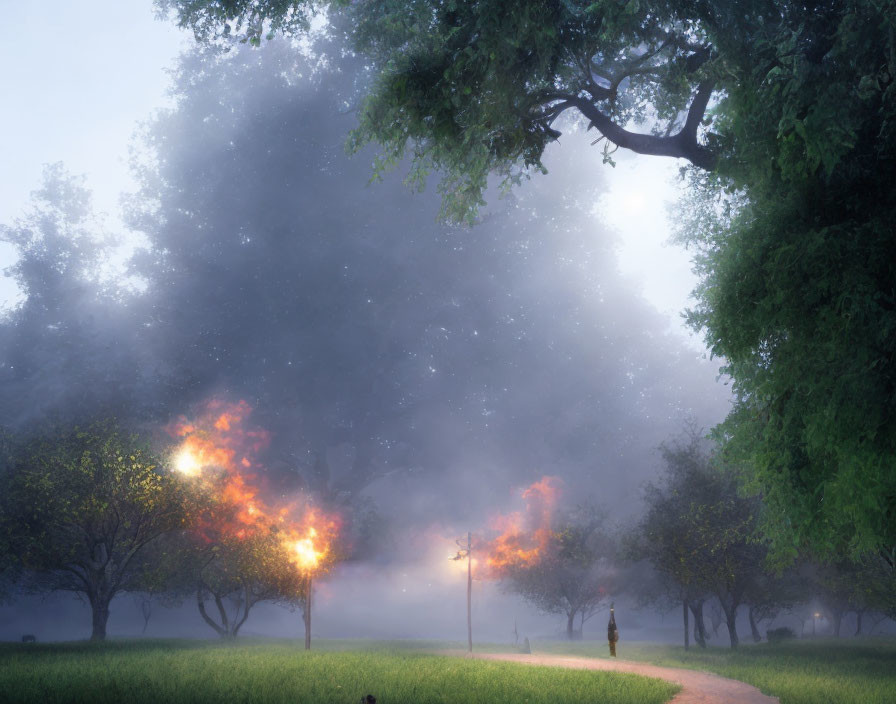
<point>187,463</point>
<point>306,557</point>
<point>466,551</point>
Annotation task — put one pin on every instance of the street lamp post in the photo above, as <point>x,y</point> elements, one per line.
<point>466,551</point>
<point>307,615</point>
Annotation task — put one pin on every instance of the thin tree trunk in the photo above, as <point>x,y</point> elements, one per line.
<point>715,616</point>
<point>754,626</point>
<point>699,624</point>
<point>687,631</point>
<point>731,622</point>
<point>858,623</point>
<point>570,625</point>
<point>237,620</point>
<point>146,611</point>
<point>838,620</point>
<point>225,622</point>
<point>200,602</point>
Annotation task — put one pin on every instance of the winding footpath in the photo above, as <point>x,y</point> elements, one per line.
<point>696,687</point>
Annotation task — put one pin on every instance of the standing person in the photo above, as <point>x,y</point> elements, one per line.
<point>612,632</point>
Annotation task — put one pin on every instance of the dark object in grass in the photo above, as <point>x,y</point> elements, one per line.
<point>525,648</point>
<point>776,635</point>
<point>28,638</point>
<point>369,699</point>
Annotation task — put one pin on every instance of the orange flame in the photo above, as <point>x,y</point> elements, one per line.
<point>216,449</point>
<point>522,536</point>
<point>309,545</point>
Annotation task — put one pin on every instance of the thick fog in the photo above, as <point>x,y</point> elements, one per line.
<point>412,373</point>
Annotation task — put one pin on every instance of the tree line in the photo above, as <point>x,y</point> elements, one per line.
<point>95,511</point>
<point>698,547</point>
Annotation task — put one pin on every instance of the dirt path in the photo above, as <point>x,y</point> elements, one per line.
<point>696,687</point>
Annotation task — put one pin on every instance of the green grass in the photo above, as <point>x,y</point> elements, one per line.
<point>401,672</point>
<point>266,672</point>
<point>816,671</point>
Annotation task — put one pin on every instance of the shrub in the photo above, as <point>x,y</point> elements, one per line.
<point>776,635</point>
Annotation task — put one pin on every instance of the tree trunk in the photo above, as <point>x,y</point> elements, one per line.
<point>859,623</point>
<point>729,606</point>
<point>687,630</point>
<point>100,608</point>
<point>715,617</point>
<point>731,622</point>
<point>838,619</point>
<point>571,625</point>
<point>146,612</point>
<point>200,603</point>
<point>754,626</point>
<point>699,624</point>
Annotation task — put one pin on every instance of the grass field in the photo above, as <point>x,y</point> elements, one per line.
<point>269,672</point>
<point>810,671</point>
<point>121,672</point>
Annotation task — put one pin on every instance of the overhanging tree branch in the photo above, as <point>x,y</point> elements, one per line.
<point>682,145</point>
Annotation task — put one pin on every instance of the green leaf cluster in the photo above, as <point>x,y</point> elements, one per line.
<point>80,508</point>
<point>797,254</point>
<point>472,89</point>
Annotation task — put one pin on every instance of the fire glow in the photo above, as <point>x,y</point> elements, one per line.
<point>523,536</point>
<point>219,449</point>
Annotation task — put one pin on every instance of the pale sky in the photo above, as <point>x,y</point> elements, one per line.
<point>79,77</point>
<point>636,206</point>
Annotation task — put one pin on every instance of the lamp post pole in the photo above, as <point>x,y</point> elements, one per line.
<point>466,550</point>
<point>469,593</point>
<point>307,615</point>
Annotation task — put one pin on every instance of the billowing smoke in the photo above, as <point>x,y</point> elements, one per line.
<point>416,375</point>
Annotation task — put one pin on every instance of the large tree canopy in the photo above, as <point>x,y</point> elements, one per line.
<point>788,108</point>
<point>797,292</point>
<point>475,87</point>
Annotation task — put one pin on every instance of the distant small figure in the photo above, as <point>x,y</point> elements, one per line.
<point>612,632</point>
<point>369,699</point>
<point>524,648</point>
<point>29,638</point>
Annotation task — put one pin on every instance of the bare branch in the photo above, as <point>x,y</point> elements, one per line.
<point>697,110</point>
<point>681,145</point>
<point>553,112</point>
